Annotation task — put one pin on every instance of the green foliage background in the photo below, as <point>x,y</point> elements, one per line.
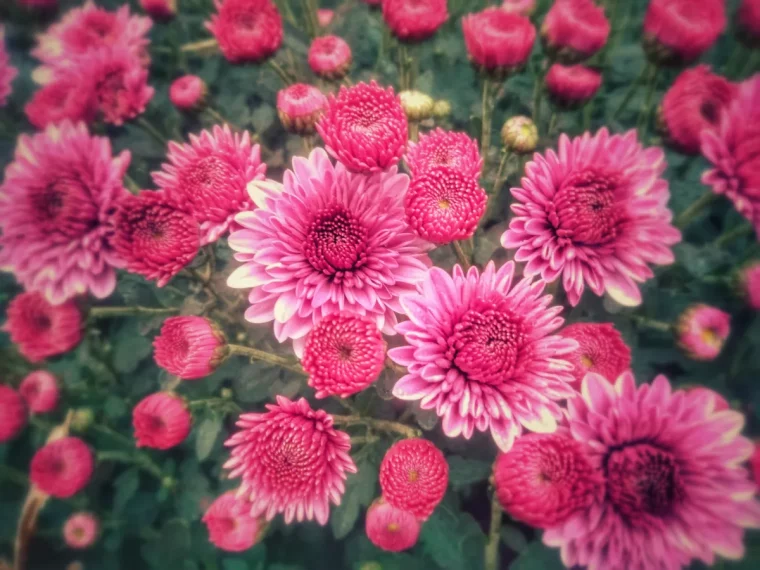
<point>151,502</point>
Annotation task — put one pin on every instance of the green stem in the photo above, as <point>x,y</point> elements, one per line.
<point>363,439</point>
<point>404,71</point>
<point>688,215</point>
<point>288,13</point>
<point>651,323</point>
<point>552,123</point>
<point>502,163</point>
<point>631,92</point>
<point>491,555</point>
<point>263,356</point>
<point>105,312</point>
<point>538,88</point>
<point>485,132</point>
<point>380,425</point>
<point>131,185</point>
<point>138,460</point>
<point>200,46</point>
<point>151,130</point>
<point>281,73</point>
<point>461,256</point>
<point>731,235</point>
<point>220,119</point>
<point>414,130</point>
<point>646,109</point>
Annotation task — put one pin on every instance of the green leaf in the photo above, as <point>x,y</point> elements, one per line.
<point>360,490</point>
<point>130,347</point>
<point>538,556</point>
<point>175,539</point>
<point>514,538</point>
<point>234,564</point>
<point>441,539</point>
<point>206,436</point>
<point>115,407</point>
<point>126,486</point>
<point>463,471</point>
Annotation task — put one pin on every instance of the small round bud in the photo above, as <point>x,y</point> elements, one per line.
<point>188,93</point>
<point>82,419</point>
<point>299,107</point>
<point>417,105</point>
<point>519,134</point>
<point>441,109</point>
<point>226,393</point>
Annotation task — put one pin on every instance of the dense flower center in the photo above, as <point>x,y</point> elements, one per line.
<point>586,210</point>
<point>205,177</point>
<point>336,241</point>
<point>643,479</point>
<point>709,111</point>
<point>63,206</point>
<point>289,462</point>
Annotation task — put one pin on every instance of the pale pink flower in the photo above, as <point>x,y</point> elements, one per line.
<point>291,460</point>
<point>56,209</point>
<point>325,16</point>
<point>390,528</point>
<point>81,530</point>
<point>326,241</point>
<point>7,71</point>
<point>481,354</point>
<point>40,391</point>
<point>675,486</point>
<point>702,331</point>
<point>230,524</point>
<point>595,213</point>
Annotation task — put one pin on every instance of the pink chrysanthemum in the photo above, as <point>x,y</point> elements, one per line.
<point>7,71</point>
<point>326,241</point>
<point>702,331</point>
<point>754,464</point>
<point>748,22</point>
<point>40,329</point>
<point>596,213</point>
<point>343,355</point>
<point>161,421</point>
<point>12,412</point>
<point>749,281</point>
<point>694,103</point>
<point>365,128</point>
<point>575,30</point>
<point>414,475</point>
<point>299,107</point>
<point>497,41</point>
<point>675,487</point>
<point>56,209</point>
<point>40,391</point>
<point>155,236</point>
<point>230,524</point>
<point>734,151</point>
<point>390,528</point>
<point>522,7</point>
<point>444,205</point>
<point>188,93</point>
<point>601,349</point>
<point>246,30</point>
<point>161,10</point>
<point>444,148</point>
<point>572,85</point>
<point>189,347</point>
<point>330,57</point>
<point>480,353</point>
<point>81,530</point>
<point>414,20</point>
<point>66,97</point>
<point>545,479</point>
<point>325,16</point>
<point>720,402</point>
<point>62,467</point>
<point>291,461</point>
<point>210,175</point>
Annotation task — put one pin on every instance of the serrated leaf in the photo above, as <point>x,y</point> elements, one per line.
<point>126,486</point>
<point>360,490</point>
<point>441,539</point>
<point>463,471</point>
<point>206,436</point>
<point>130,347</point>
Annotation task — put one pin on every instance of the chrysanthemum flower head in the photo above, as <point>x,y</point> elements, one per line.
<point>601,349</point>
<point>574,30</point>
<point>246,30</point>
<point>56,211</point>
<point>66,97</point>
<point>390,528</point>
<point>414,20</point>
<point>299,107</point>
<point>519,134</point>
<point>189,347</point>
<point>545,479</point>
<point>161,10</point>
<point>444,148</point>
<point>594,213</point>
<point>13,412</point>
<point>40,391</point>
<point>209,176</point>
<point>7,71</point>
<point>325,16</point>
<point>481,354</point>
<point>161,421</point>
<point>498,42</point>
<point>330,57</point>
<point>230,524</point>
<point>720,403</point>
<point>748,22</point>
<point>62,467</point>
<point>675,487</point>
<point>749,283</point>
<point>414,475</point>
<point>81,530</point>
<point>571,86</point>
<point>702,331</point>
<point>364,127</point>
<point>291,460</point>
<point>40,329</point>
<point>326,241</point>
<point>188,93</point>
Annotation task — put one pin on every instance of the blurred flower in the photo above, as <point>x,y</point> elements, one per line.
<point>702,331</point>
<point>414,21</point>
<point>574,30</point>
<point>334,241</point>
<point>522,7</point>
<point>675,489</point>
<point>189,347</point>
<point>480,352</point>
<point>519,134</point>
<point>291,460</point>
<point>754,464</point>
<point>81,530</point>
<point>13,412</point>
<point>441,109</point>
<point>390,528</point>
<point>62,467</point>
<point>719,402</point>
<point>38,3</point>
<point>188,93</point>
<point>230,524</point>
<point>444,148</point>
<point>82,419</point>
<point>66,97</point>
<point>56,212</point>
<point>7,71</point>
<point>572,86</point>
<point>679,31</point>
<point>343,355</point>
<point>40,391</point>
<point>601,349</point>
<point>545,479</point>
<point>748,22</point>
<point>414,476</point>
<point>444,205</point>
<point>595,212</point>
<point>40,329</point>
<point>734,151</point>
<point>209,176</point>
<point>299,107</point>
<point>364,128</point>
<point>749,281</point>
<point>497,41</point>
<point>330,57</point>
<point>373,2</point>
<point>160,9</point>
<point>246,30</point>
<point>694,103</point>
<point>161,421</point>
<point>325,16</point>
<point>417,105</point>
<point>155,236</point>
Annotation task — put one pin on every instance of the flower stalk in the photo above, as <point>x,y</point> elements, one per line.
<point>151,130</point>
<point>263,356</point>
<point>645,115</point>
<point>106,312</point>
<point>652,323</point>
<point>380,425</point>
<point>487,108</point>
<point>463,259</point>
<point>731,235</point>
<point>688,215</point>
<point>200,46</point>
<point>491,553</point>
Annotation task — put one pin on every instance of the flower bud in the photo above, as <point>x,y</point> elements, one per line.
<point>188,93</point>
<point>418,106</point>
<point>519,134</point>
<point>299,107</point>
<point>82,419</point>
<point>441,109</point>
<point>160,10</point>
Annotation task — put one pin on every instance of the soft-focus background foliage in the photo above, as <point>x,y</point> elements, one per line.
<point>150,502</point>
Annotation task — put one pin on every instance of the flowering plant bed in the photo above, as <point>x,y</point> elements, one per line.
<point>379,285</point>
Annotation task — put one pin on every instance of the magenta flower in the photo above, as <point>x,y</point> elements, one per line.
<point>230,524</point>
<point>7,71</point>
<point>326,241</point>
<point>595,213</point>
<point>675,486</point>
<point>481,354</point>
<point>444,148</point>
<point>702,331</point>
<point>190,347</point>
